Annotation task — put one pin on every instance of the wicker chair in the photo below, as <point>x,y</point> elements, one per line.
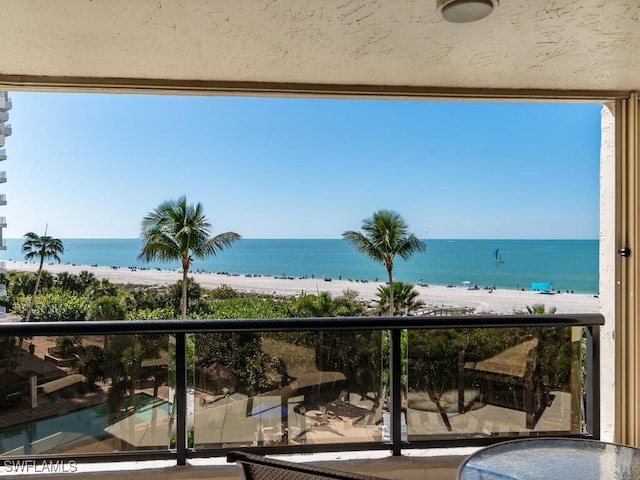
<point>257,467</point>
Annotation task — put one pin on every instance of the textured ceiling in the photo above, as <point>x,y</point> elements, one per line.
<point>524,44</point>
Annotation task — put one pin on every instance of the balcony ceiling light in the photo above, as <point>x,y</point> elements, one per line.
<point>463,11</point>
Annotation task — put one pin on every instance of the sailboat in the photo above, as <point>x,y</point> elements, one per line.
<point>496,255</point>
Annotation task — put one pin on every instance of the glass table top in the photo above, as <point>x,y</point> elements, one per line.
<point>552,458</point>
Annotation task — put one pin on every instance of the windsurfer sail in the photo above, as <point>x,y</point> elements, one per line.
<point>496,255</point>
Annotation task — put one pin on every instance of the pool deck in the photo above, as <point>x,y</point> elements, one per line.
<point>47,405</point>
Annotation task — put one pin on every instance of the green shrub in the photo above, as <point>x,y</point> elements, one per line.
<point>53,307</point>
<point>106,308</point>
<point>19,283</point>
<point>164,313</point>
<point>253,307</point>
<point>223,292</point>
<point>145,299</point>
<point>102,288</point>
<point>325,305</point>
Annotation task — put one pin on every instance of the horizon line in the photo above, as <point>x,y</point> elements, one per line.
<point>334,238</point>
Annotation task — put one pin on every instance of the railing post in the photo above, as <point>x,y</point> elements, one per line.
<point>593,380</point>
<point>395,405</point>
<point>180,400</point>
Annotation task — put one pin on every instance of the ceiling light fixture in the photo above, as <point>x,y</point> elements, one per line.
<point>464,11</point>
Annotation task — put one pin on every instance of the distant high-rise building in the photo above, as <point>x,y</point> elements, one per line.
<point>5,131</point>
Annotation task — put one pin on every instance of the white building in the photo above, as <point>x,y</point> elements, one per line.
<point>5,131</point>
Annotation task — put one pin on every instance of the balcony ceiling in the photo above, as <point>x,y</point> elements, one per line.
<point>590,45</point>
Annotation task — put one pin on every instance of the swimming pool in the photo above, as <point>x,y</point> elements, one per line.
<point>63,431</point>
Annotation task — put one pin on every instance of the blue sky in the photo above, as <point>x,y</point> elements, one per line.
<point>91,166</point>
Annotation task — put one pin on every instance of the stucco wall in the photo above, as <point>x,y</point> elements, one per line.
<point>607,271</point>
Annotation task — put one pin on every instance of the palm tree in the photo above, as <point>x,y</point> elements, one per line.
<point>91,364</point>
<point>20,283</point>
<point>68,281</point>
<point>325,305</point>
<point>405,295</point>
<point>177,231</point>
<point>386,235</point>
<point>41,247</point>
<point>539,309</point>
<point>86,279</point>
<point>102,288</point>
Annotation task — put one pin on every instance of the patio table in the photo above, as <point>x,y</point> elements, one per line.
<point>551,458</point>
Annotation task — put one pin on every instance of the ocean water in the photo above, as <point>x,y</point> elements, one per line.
<point>570,264</point>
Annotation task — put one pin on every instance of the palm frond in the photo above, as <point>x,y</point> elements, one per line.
<point>385,235</point>
<point>364,244</point>
<point>42,247</point>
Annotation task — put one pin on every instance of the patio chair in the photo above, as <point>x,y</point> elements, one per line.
<point>257,467</point>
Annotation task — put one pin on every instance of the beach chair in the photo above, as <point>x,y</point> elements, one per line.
<point>257,467</point>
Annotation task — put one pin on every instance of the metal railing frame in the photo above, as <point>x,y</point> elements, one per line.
<point>395,325</point>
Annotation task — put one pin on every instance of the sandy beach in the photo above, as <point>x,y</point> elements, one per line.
<point>499,301</point>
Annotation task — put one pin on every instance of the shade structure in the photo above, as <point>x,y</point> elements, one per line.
<point>541,286</point>
<point>269,410</point>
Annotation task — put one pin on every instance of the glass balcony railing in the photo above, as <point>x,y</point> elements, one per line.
<point>195,388</point>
